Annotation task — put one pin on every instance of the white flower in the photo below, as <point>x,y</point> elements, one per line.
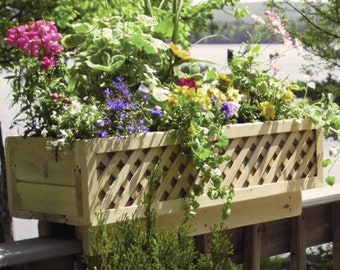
<point>206,167</point>
<point>44,132</point>
<point>75,108</point>
<point>217,172</point>
<point>63,133</point>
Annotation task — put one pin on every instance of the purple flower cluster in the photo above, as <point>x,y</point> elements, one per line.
<point>123,115</point>
<point>37,39</point>
<point>229,108</point>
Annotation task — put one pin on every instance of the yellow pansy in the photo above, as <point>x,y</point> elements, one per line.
<point>173,101</point>
<point>180,53</point>
<point>189,93</point>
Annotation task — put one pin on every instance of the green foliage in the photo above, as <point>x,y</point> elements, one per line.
<point>67,12</point>
<point>108,48</point>
<point>274,263</point>
<point>323,33</point>
<point>140,244</point>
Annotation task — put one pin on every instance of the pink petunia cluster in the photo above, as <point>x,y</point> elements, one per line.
<point>37,39</point>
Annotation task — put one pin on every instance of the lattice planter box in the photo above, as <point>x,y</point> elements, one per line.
<point>271,163</point>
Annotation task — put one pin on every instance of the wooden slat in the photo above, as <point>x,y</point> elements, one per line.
<point>252,247</point>
<point>336,233</point>
<point>298,244</point>
<point>243,213</point>
<point>47,199</point>
<point>156,139</point>
<point>33,163</point>
<point>321,195</point>
<point>261,128</point>
<point>319,224</point>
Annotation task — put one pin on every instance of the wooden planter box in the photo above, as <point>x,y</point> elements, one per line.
<point>271,163</point>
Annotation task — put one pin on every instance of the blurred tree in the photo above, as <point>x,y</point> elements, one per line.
<point>322,36</point>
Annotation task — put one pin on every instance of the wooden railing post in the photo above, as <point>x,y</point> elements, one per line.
<point>298,243</point>
<point>252,247</point>
<point>336,233</point>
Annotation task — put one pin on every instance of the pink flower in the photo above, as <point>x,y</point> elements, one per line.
<point>298,45</point>
<point>277,27</point>
<point>37,39</point>
<point>48,62</point>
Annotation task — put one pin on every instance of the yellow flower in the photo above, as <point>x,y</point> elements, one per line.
<point>180,53</point>
<point>288,96</point>
<point>191,128</point>
<point>224,78</point>
<point>267,110</point>
<point>234,94</point>
<point>173,101</point>
<point>189,93</point>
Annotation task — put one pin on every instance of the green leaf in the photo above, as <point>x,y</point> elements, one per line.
<point>240,12</point>
<point>147,20</point>
<point>82,28</point>
<point>211,75</point>
<point>255,50</point>
<point>71,41</point>
<point>161,93</point>
<point>330,180</point>
<point>263,87</point>
<point>142,44</point>
<point>110,68</point>
<point>165,28</point>
<point>326,162</point>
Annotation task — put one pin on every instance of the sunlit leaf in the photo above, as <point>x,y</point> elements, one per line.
<point>330,180</point>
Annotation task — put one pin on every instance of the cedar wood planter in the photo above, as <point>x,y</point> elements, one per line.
<point>271,163</point>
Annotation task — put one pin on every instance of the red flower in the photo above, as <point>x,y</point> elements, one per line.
<point>189,82</point>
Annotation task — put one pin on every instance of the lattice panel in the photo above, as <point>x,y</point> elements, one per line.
<point>122,176</point>
<point>255,160</point>
<point>259,160</point>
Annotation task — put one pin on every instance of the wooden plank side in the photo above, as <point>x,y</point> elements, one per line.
<point>34,163</point>
<point>298,243</point>
<point>319,224</point>
<point>252,247</point>
<point>156,139</point>
<point>252,194</point>
<point>276,237</point>
<point>269,127</point>
<point>50,199</point>
<point>322,195</point>
<point>243,213</point>
<point>319,155</point>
